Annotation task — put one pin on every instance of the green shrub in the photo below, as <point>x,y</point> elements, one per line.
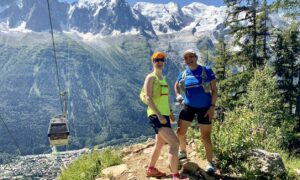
<point>87,167</point>
<point>292,162</point>
<point>110,158</point>
<point>233,139</point>
<point>260,122</point>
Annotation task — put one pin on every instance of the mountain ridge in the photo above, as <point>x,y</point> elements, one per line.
<point>107,18</point>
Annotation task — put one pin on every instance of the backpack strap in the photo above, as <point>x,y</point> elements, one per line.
<point>204,74</point>
<point>183,76</point>
<point>205,85</point>
<point>181,82</point>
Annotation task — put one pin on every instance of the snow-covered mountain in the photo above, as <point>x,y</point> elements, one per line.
<point>168,18</point>
<point>32,14</point>
<point>165,18</point>
<point>204,18</point>
<point>109,17</point>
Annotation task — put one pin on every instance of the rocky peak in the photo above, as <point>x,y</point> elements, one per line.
<point>107,17</point>
<point>165,18</point>
<point>32,14</point>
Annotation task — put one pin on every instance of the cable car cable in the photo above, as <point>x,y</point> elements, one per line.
<point>10,134</point>
<point>55,57</point>
<point>58,131</point>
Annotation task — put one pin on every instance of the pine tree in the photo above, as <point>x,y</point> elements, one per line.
<point>232,80</point>
<point>287,66</point>
<point>221,60</point>
<point>263,24</point>
<point>249,23</point>
<point>291,7</point>
<point>263,98</point>
<point>221,70</point>
<point>242,20</point>
<point>298,98</point>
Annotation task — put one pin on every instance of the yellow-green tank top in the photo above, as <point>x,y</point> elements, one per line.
<point>160,96</point>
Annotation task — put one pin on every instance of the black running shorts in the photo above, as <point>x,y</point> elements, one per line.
<point>188,114</point>
<point>155,123</point>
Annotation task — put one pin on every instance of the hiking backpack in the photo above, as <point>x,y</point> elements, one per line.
<point>204,84</point>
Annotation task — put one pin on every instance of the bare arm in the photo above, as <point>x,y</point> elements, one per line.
<point>214,95</point>
<point>177,89</point>
<point>214,92</point>
<point>179,98</point>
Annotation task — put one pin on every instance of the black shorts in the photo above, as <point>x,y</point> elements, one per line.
<point>188,114</point>
<point>155,123</point>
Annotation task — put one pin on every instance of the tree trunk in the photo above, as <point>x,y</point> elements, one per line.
<point>265,33</point>
<point>298,104</point>
<point>254,35</point>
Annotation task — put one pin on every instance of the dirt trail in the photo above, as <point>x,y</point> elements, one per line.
<point>136,158</point>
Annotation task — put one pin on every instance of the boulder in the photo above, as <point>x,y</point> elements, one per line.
<point>267,164</point>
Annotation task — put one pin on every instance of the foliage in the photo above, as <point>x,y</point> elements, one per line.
<point>263,97</point>
<point>287,64</point>
<point>258,123</point>
<point>264,32</point>
<point>248,22</point>
<point>235,87</point>
<point>292,162</point>
<point>232,139</point>
<point>291,6</point>
<point>87,167</point>
<point>254,112</point>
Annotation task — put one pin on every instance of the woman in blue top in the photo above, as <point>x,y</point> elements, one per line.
<point>198,86</point>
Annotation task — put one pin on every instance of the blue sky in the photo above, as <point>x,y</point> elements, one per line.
<point>180,2</point>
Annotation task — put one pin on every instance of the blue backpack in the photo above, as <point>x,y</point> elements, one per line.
<point>204,83</point>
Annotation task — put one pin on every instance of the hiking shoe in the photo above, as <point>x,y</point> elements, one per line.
<point>210,169</point>
<point>153,172</point>
<point>182,155</point>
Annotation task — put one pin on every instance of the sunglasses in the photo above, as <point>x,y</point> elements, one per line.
<point>159,60</point>
<point>188,56</point>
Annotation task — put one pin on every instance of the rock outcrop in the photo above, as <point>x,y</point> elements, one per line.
<point>268,164</point>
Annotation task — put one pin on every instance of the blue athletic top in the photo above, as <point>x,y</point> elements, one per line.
<point>195,95</point>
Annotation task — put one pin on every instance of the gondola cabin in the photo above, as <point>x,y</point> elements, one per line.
<point>58,131</point>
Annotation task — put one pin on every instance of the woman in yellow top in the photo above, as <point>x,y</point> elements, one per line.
<point>156,94</point>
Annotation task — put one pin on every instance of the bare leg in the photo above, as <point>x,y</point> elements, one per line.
<point>181,133</point>
<point>159,143</point>
<point>205,131</point>
<point>168,135</point>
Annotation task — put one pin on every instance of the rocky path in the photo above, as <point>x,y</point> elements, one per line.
<point>136,158</point>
